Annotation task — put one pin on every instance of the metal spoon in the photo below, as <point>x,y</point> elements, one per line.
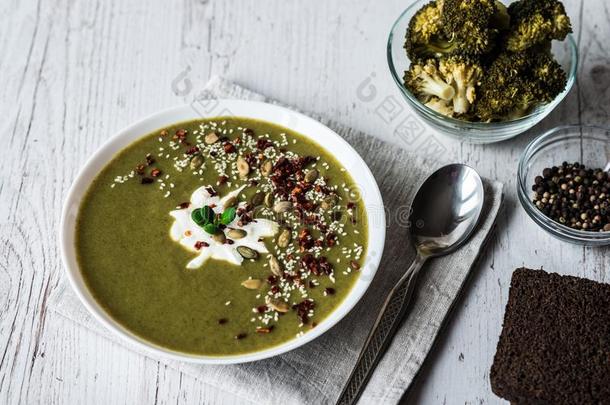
<point>444,213</point>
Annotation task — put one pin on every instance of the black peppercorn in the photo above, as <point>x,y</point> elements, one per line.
<point>574,196</point>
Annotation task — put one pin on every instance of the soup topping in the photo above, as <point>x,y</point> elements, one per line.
<point>203,237</point>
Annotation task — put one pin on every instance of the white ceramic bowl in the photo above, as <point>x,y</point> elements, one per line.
<point>214,108</point>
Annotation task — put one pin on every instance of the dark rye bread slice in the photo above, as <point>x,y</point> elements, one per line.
<point>555,341</point>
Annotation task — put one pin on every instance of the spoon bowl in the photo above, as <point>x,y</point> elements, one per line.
<point>446,209</point>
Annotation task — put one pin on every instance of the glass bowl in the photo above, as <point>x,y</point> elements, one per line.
<point>588,145</point>
<point>565,52</point>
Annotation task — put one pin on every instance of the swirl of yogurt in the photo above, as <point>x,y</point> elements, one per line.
<point>190,235</point>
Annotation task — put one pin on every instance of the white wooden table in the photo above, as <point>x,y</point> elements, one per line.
<point>74,72</point>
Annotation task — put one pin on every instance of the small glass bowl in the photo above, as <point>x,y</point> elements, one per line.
<point>565,52</point>
<point>588,145</point>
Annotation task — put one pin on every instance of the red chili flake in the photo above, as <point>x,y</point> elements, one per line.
<point>140,169</point>
<point>163,133</point>
<point>261,309</point>
<point>149,159</point>
<point>229,241</point>
<point>264,330</point>
<point>212,205</point>
<point>263,143</point>
<point>192,150</point>
<point>350,205</point>
<point>272,279</point>
<point>201,244</point>
<point>303,309</point>
<point>329,291</point>
<point>222,321</point>
<point>275,289</point>
<point>222,179</point>
<point>240,336</point>
<point>249,131</point>
<point>311,284</point>
<point>147,180</point>
<point>211,191</point>
<point>354,265</point>
<point>331,239</point>
<point>229,147</point>
<point>237,141</point>
<point>315,265</point>
<point>314,324</point>
<point>180,134</point>
<point>155,172</point>
<point>184,205</point>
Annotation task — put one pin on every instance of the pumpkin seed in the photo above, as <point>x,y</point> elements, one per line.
<point>311,176</point>
<point>266,168</point>
<point>329,202</point>
<point>282,206</point>
<point>219,237</point>
<point>274,266</point>
<point>243,168</point>
<point>277,305</point>
<point>283,240</point>
<point>211,138</point>
<point>269,200</point>
<point>257,199</point>
<point>236,233</point>
<point>252,284</point>
<point>196,162</point>
<point>230,202</point>
<point>247,253</point>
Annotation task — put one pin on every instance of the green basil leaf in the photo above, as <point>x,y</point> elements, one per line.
<point>203,216</point>
<point>196,216</point>
<point>207,213</point>
<point>210,228</point>
<point>228,216</point>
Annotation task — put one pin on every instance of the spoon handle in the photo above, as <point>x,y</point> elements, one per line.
<point>390,316</point>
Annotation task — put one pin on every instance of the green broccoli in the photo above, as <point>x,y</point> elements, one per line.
<point>536,21</point>
<point>452,27</point>
<point>425,81</point>
<point>516,82</point>
<point>548,75</point>
<point>473,24</point>
<point>463,74</point>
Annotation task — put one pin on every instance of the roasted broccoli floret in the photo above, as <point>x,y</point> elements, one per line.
<point>425,81</point>
<point>536,21</point>
<point>517,82</point>
<point>424,27</point>
<point>548,75</point>
<point>450,27</point>
<point>464,75</point>
<point>472,25</point>
<point>440,106</point>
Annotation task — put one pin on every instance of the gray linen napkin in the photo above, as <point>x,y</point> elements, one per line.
<point>315,373</point>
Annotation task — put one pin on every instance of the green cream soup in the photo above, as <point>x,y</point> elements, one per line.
<point>221,236</point>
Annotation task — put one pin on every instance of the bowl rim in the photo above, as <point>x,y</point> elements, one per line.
<point>536,145</point>
<point>319,133</point>
<point>474,125</point>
